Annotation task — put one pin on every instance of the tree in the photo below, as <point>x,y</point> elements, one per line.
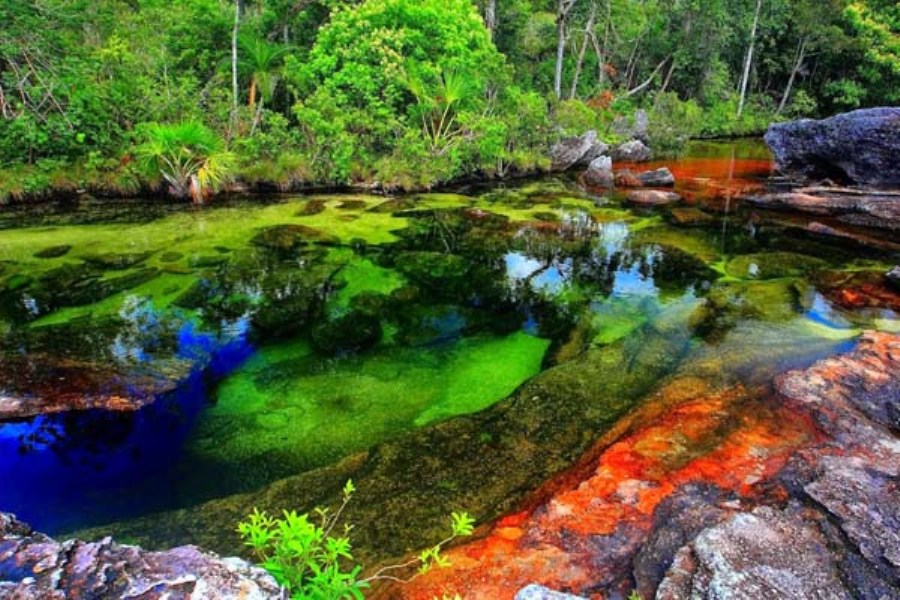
<point>189,156</point>
<point>563,8</point>
<point>261,62</point>
<point>748,60</point>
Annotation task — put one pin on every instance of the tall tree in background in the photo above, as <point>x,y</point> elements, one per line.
<point>234,65</point>
<point>563,9</point>
<point>748,59</point>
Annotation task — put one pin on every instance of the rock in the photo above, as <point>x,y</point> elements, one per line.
<point>690,216</point>
<point>311,207</point>
<point>576,151</point>
<point>676,521</point>
<point>880,210</point>
<point>633,128</point>
<point>36,567</point>
<point>658,178</point>
<point>290,238</point>
<point>170,257</point>
<point>763,554</point>
<point>53,252</point>
<point>861,147</point>
<point>893,276</point>
<point>352,332</point>
<point>633,151</point>
<point>653,198</point>
<point>853,474</point>
<point>113,261</point>
<point>599,173</point>
<point>538,592</point>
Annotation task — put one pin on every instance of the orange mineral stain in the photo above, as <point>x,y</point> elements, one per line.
<point>734,439</point>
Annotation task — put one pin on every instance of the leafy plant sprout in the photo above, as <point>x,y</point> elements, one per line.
<point>310,561</point>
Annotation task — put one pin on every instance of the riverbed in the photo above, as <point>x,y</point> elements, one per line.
<point>175,366</point>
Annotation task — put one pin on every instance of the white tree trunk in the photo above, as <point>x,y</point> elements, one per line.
<point>490,17</point>
<point>748,60</point>
<point>588,35</point>
<point>801,55</point>
<point>234,65</point>
<point>564,7</point>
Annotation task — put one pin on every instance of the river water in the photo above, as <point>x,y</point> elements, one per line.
<point>277,338</point>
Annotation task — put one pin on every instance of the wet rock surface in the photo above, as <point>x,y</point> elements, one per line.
<point>861,147</point>
<point>577,151</point>
<point>721,494</point>
<point>653,198</point>
<point>661,177</point>
<point>36,567</point>
<point>877,210</point>
<point>632,151</point>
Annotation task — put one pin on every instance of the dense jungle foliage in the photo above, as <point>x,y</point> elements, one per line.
<point>124,96</point>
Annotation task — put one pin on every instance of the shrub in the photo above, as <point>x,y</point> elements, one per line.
<point>314,563</point>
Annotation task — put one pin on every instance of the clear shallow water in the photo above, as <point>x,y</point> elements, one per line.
<point>293,332</point>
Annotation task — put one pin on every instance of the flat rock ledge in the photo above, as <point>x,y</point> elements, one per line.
<point>34,566</point>
<point>838,536</point>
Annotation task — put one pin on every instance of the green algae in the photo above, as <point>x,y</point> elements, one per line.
<point>362,276</point>
<point>772,265</point>
<point>285,400</point>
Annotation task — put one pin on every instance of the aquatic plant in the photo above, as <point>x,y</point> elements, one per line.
<point>311,563</point>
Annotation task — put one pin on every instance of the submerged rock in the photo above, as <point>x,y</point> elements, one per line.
<point>690,216</point>
<point>53,252</point>
<point>34,566</point>
<point>354,331</point>
<point>113,261</point>
<point>653,198</point>
<point>861,147</point>
<point>658,178</point>
<point>875,210</point>
<point>599,173</point>
<point>286,238</point>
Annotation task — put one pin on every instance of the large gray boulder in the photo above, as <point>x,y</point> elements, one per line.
<point>600,173</point>
<point>36,567</point>
<point>861,147</point>
<point>577,151</point>
<point>632,151</point>
<point>763,554</point>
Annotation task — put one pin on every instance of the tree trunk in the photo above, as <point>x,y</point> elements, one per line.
<point>234,64</point>
<point>748,60</point>
<point>801,55</point>
<point>562,15</point>
<point>588,34</point>
<point>490,17</point>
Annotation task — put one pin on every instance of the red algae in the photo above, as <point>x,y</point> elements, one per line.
<point>733,438</point>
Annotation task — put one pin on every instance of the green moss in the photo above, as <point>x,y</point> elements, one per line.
<point>616,319</point>
<point>286,401</point>
<point>361,276</point>
<point>772,265</point>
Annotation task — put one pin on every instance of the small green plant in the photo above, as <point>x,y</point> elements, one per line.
<point>314,564</point>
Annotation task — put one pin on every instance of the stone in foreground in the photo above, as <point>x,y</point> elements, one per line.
<point>36,567</point>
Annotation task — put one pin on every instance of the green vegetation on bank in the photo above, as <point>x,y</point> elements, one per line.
<point>310,560</point>
<point>118,97</point>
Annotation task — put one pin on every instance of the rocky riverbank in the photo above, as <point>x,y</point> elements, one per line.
<point>736,493</point>
<point>34,566</point>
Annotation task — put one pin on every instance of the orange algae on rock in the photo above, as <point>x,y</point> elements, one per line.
<point>733,438</point>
